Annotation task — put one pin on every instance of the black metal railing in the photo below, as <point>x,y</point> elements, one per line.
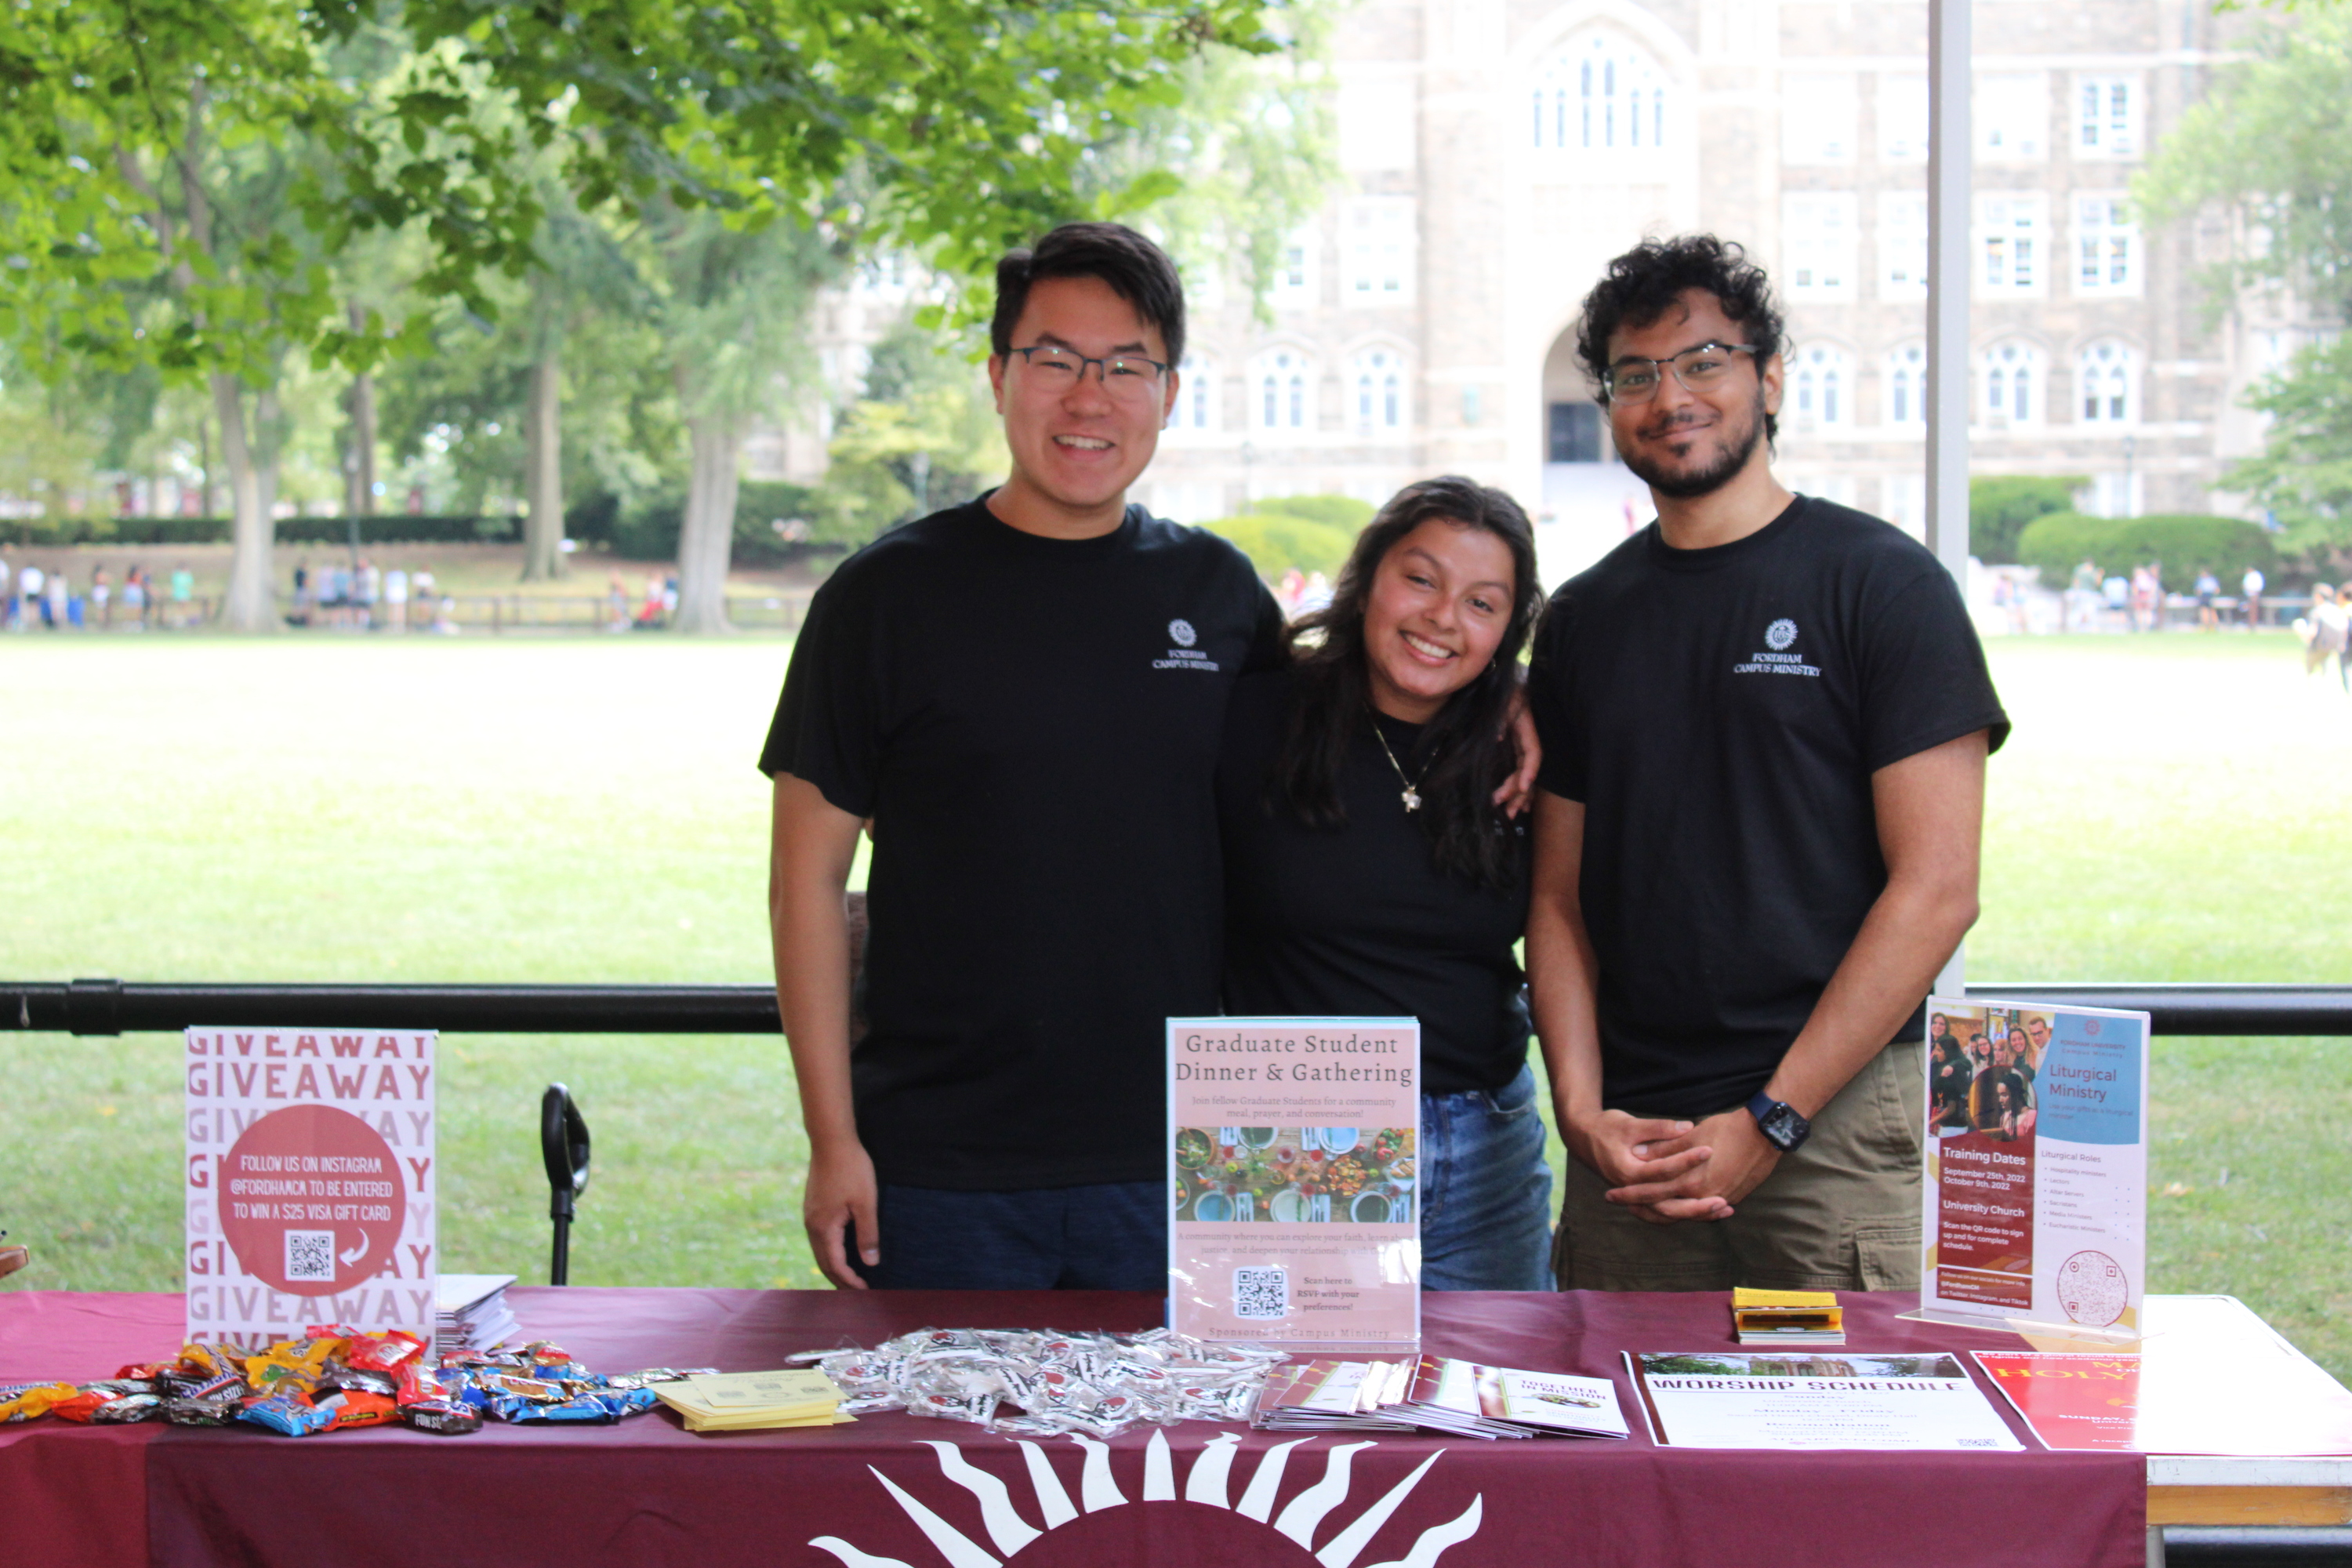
<point>116,1006</point>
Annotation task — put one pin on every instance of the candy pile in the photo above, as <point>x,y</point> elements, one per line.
<point>336,1377</point>
<point>1097,1384</point>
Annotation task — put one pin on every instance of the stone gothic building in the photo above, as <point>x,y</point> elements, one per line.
<point>1498,152</point>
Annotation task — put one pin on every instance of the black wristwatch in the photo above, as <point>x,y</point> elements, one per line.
<point>1780,1123</point>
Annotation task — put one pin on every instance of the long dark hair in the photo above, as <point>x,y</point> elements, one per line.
<point>1468,751</point>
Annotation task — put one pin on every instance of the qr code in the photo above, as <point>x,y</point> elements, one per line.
<point>1262,1292</point>
<point>310,1255</point>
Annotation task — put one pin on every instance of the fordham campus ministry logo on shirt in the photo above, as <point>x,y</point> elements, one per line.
<point>1774,657</point>
<point>1184,656</point>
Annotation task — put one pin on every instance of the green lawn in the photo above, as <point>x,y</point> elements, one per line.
<point>330,808</point>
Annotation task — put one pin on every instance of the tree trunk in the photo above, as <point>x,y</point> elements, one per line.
<point>268,449</point>
<point>252,605</point>
<point>706,543</point>
<point>543,529</point>
<point>358,463</point>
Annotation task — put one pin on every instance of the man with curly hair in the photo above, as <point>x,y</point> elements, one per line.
<point>1765,720</point>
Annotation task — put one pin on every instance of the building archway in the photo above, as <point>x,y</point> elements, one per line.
<point>1591,503</point>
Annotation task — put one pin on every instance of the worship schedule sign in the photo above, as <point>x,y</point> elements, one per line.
<point>309,1181</point>
<point>2036,1182</point>
<point>1294,1174</point>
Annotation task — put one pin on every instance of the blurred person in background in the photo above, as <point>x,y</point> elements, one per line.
<point>2250,591</point>
<point>2083,598</point>
<point>396,599</point>
<point>135,596</point>
<point>102,597</point>
<point>2208,588</point>
<point>183,592</point>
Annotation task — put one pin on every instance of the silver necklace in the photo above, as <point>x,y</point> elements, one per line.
<point>1411,793</point>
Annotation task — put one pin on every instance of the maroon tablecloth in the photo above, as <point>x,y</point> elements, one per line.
<point>895,1491</point>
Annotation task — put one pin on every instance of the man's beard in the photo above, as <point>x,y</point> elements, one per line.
<point>1690,484</point>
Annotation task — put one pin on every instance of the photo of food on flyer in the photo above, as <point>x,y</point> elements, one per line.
<point>1295,1175</point>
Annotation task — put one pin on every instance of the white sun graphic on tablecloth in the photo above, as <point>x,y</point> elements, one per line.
<point>1206,1485</point>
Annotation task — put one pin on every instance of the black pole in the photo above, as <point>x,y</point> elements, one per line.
<point>563,1145</point>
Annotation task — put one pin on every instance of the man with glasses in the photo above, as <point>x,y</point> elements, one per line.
<point>1765,720</point>
<point>1024,695</point>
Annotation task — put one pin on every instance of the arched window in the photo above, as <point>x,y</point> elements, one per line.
<point>1906,385</point>
<point>1599,93</point>
<point>2107,381</point>
<point>1379,387</point>
<point>2012,384</point>
<point>1823,387</point>
<point>1196,395</point>
<point>1285,392</point>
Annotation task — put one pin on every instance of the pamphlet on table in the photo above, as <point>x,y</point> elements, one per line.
<point>1294,1152</point>
<point>309,1181</point>
<point>2210,1377</point>
<point>1440,1394</point>
<point>2035,1188</point>
<point>1803,1400</point>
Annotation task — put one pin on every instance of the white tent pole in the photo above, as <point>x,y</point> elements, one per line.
<point>1948,284</point>
<point>1947,317</point>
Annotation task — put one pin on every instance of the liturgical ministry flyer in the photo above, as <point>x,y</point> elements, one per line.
<point>2035,1190</point>
<point>1294,1174</point>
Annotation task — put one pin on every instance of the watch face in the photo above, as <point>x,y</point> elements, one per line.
<point>1784,1127</point>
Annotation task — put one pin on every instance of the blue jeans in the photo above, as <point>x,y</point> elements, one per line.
<point>1485,1192</point>
<point>1112,1236</point>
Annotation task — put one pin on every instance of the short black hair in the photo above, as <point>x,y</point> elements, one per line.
<point>1648,281</point>
<point>1137,270</point>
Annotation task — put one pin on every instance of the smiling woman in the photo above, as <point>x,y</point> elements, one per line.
<point>1369,873</point>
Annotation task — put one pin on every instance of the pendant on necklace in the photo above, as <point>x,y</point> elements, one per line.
<point>1412,800</point>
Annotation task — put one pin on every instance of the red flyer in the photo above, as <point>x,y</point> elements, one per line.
<point>2071,1401</point>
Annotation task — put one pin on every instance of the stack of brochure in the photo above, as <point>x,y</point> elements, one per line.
<point>1439,1394</point>
<point>1330,1396</point>
<point>1788,1317</point>
<point>1473,1401</point>
<point>471,1311</point>
<point>754,1401</point>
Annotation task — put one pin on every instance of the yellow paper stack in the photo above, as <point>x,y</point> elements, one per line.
<point>1788,1317</point>
<point>754,1401</point>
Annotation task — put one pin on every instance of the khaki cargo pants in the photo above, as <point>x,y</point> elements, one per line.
<point>1840,1214</point>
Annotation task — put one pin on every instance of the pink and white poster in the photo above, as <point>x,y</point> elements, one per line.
<point>1294,1174</point>
<point>309,1181</point>
<point>2035,1184</point>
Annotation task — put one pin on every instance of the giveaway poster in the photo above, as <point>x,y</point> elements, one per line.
<point>2035,1194</point>
<point>309,1181</point>
<point>1293,1173</point>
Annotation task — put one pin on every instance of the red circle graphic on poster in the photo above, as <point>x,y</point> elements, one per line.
<point>312,1200</point>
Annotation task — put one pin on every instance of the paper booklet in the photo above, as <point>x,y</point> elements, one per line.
<point>1797,1400</point>
<point>2035,1186</point>
<point>1294,1181</point>
<point>1435,1392</point>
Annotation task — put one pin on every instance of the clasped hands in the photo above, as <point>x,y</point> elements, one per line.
<point>1667,1170</point>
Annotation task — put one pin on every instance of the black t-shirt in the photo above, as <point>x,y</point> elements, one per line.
<point>1359,920</point>
<point>1032,724</point>
<point>1719,712</point>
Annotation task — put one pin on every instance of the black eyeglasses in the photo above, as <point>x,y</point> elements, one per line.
<point>1123,376</point>
<point>1636,380</point>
